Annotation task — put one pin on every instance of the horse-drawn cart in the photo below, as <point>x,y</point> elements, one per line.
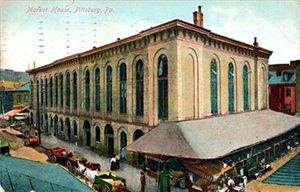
<point>107,181</point>
<point>31,140</point>
<point>60,155</point>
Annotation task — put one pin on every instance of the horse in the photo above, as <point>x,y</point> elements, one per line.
<point>92,166</point>
<point>86,172</point>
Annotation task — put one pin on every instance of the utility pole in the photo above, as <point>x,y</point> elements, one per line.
<point>38,112</point>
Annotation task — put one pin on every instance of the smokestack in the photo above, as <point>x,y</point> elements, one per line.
<point>198,17</point>
<point>255,42</point>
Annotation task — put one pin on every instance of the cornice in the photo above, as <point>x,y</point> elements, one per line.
<point>158,33</point>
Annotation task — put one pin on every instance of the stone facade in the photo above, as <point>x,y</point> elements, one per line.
<point>189,50</point>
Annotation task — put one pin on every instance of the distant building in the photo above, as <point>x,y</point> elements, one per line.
<point>282,88</point>
<point>20,102</point>
<point>10,80</point>
<point>21,95</point>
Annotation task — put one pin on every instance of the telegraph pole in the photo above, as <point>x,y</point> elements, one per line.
<point>38,113</point>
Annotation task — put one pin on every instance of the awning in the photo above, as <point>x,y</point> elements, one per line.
<point>20,117</point>
<point>16,111</point>
<point>203,171</point>
<point>215,137</point>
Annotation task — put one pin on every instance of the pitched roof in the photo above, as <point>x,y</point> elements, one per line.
<point>24,87</point>
<point>24,175</point>
<point>286,77</point>
<point>11,75</point>
<point>215,137</point>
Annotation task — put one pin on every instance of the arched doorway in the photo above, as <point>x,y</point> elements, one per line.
<point>68,129</point>
<point>62,130</point>
<point>123,143</point>
<point>109,138</point>
<point>46,123</point>
<point>137,134</point>
<point>31,119</point>
<point>55,125</point>
<point>87,130</point>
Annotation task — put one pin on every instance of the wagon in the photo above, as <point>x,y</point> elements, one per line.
<point>107,181</point>
<point>31,140</point>
<point>60,155</point>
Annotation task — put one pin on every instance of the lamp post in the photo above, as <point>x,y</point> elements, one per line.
<point>38,114</point>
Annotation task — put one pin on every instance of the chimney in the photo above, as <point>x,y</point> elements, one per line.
<point>255,42</point>
<point>198,17</point>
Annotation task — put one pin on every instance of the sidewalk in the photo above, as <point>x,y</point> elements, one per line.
<point>130,173</point>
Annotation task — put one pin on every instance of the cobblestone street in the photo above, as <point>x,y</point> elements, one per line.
<point>130,173</point>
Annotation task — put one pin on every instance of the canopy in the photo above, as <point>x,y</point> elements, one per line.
<point>24,175</point>
<point>16,111</point>
<point>215,137</point>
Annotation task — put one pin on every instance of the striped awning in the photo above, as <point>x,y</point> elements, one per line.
<point>16,111</point>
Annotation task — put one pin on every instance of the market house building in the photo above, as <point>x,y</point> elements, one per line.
<point>109,96</point>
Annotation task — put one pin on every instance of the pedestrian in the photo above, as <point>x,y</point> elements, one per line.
<point>117,162</point>
<point>143,181</point>
<point>113,162</point>
<point>230,184</point>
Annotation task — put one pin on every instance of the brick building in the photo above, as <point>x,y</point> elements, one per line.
<point>282,88</point>
<point>107,97</point>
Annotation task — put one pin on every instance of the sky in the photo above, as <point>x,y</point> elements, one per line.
<point>43,31</point>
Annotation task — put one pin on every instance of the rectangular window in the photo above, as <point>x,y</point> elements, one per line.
<point>288,92</point>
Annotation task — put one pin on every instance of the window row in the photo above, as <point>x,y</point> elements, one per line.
<point>231,79</point>
<point>58,88</point>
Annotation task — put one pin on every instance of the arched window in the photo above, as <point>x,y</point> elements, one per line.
<point>123,88</point>
<point>61,83</point>
<point>75,129</point>
<point>26,98</point>
<point>46,91</point>
<point>68,91</point>
<point>87,90</point>
<point>42,92</point>
<point>123,143</point>
<point>230,88</point>
<point>51,92</point>
<point>74,90</point>
<point>162,87</point>
<point>246,87</point>
<point>214,86</point>
<point>97,89</point>
<point>139,95</point>
<point>56,91</point>
<point>19,99</point>
<point>109,89</point>
<point>97,134</point>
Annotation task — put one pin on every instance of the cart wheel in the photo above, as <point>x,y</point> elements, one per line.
<point>74,170</point>
<point>104,188</point>
<point>52,159</point>
<point>49,153</point>
<point>68,164</point>
<point>26,142</point>
<point>95,187</point>
<point>70,167</point>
